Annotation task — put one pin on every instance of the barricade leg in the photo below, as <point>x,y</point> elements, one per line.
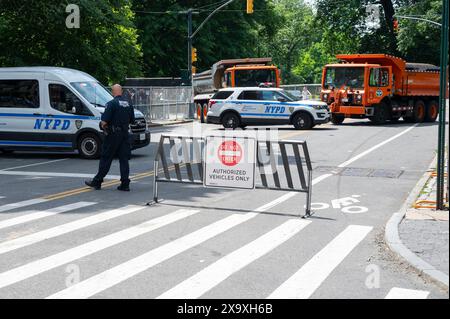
<point>309,195</point>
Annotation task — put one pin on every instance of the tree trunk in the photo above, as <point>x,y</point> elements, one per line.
<point>389,12</point>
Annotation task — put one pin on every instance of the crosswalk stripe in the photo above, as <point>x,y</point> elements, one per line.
<point>30,216</point>
<point>400,293</point>
<point>39,266</point>
<point>126,270</point>
<point>59,230</point>
<point>7,207</point>
<point>206,279</point>
<point>305,281</point>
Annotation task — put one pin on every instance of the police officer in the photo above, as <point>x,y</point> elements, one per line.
<point>115,121</point>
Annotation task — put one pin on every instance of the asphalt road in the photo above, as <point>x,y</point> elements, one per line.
<point>59,239</point>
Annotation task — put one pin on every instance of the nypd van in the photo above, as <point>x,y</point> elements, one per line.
<point>49,108</point>
<point>239,107</point>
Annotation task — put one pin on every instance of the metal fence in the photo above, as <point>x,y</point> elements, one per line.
<point>160,103</point>
<point>304,91</point>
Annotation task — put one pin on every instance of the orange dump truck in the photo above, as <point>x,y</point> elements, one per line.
<point>380,87</point>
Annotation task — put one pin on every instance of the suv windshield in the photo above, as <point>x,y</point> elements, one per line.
<point>343,77</point>
<point>94,92</point>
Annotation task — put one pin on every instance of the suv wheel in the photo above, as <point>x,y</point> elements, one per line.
<point>89,146</point>
<point>231,120</point>
<point>302,121</point>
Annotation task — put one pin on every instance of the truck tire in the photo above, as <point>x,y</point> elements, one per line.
<point>231,120</point>
<point>380,114</point>
<point>302,121</point>
<point>419,112</point>
<point>432,111</point>
<point>89,146</point>
<point>337,119</point>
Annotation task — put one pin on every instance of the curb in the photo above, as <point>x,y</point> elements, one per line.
<point>169,123</point>
<point>394,242</point>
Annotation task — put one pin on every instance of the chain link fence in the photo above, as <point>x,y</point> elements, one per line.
<point>160,103</point>
<point>304,91</point>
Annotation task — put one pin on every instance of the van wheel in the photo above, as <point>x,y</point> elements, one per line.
<point>432,111</point>
<point>6,151</point>
<point>302,121</point>
<point>231,120</point>
<point>89,146</point>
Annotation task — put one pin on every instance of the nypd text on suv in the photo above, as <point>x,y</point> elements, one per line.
<point>239,107</point>
<point>56,109</point>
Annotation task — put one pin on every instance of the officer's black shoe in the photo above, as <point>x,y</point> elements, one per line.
<point>94,184</point>
<point>124,188</point>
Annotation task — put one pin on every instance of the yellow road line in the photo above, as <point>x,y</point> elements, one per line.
<point>82,190</point>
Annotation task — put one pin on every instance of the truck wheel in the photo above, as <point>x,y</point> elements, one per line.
<point>419,112</point>
<point>337,119</point>
<point>89,146</point>
<point>380,114</point>
<point>302,121</point>
<point>432,111</point>
<point>231,120</point>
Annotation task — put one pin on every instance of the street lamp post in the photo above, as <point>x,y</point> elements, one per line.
<point>191,36</point>
<point>442,106</point>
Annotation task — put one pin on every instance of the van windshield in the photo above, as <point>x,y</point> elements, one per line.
<point>94,92</point>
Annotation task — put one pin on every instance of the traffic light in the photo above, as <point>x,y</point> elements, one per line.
<point>395,25</point>
<point>194,70</point>
<point>249,6</point>
<point>194,55</point>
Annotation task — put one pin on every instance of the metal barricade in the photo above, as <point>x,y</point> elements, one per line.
<point>160,103</point>
<point>304,91</point>
<point>180,159</point>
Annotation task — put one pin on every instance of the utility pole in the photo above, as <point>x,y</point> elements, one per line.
<point>189,68</point>
<point>191,36</point>
<point>442,106</point>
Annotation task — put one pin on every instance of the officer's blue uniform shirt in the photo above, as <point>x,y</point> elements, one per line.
<point>119,112</point>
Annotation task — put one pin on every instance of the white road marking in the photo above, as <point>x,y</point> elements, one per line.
<point>35,164</point>
<point>7,207</point>
<point>370,150</point>
<point>39,266</point>
<point>400,293</point>
<point>126,270</point>
<point>30,216</point>
<point>51,174</point>
<point>63,229</point>
<point>211,276</point>
<point>308,278</point>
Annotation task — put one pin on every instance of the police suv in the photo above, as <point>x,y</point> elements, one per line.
<point>56,109</point>
<point>239,107</point>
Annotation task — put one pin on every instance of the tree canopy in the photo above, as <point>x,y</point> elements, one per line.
<point>128,38</point>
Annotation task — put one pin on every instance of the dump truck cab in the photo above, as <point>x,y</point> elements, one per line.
<point>351,89</point>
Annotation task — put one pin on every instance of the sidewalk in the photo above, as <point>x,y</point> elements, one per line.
<point>421,235</point>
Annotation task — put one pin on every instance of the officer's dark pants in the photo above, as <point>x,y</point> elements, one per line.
<point>115,144</point>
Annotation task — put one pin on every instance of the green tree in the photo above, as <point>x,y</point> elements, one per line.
<point>231,33</point>
<point>105,45</point>
<point>419,41</point>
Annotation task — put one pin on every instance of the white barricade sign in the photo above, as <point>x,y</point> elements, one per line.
<point>230,162</point>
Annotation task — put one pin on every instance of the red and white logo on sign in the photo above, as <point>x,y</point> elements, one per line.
<point>230,153</point>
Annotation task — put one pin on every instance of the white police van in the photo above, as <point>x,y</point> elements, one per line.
<point>56,109</point>
<point>239,107</point>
